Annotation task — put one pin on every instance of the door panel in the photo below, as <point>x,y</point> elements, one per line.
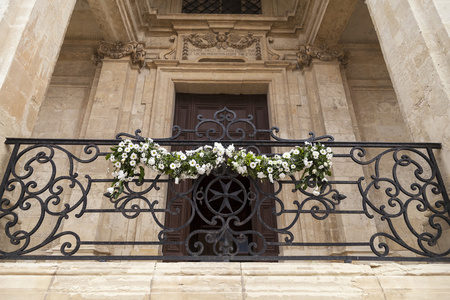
<point>187,108</point>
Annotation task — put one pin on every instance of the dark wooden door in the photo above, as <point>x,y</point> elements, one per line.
<point>187,108</point>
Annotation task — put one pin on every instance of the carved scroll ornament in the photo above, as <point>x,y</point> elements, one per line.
<point>323,53</point>
<point>118,50</point>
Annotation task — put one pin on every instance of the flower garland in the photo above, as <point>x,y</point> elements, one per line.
<point>129,160</point>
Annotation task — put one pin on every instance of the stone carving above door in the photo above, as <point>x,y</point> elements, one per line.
<point>221,45</point>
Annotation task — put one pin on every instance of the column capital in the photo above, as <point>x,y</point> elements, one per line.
<point>117,50</point>
<point>324,53</point>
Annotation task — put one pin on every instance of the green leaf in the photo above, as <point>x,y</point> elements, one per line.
<point>141,174</point>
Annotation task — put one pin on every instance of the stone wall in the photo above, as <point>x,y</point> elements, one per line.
<point>154,280</point>
<point>33,31</point>
<point>415,40</point>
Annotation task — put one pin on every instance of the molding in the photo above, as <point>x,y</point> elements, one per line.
<point>117,50</point>
<point>169,54</point>
<point>272,53</point>
<point>323,53</point>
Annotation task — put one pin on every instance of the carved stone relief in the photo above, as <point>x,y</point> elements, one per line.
<point>221,44</point>
<point>118,50</point>
<point>323,53</point>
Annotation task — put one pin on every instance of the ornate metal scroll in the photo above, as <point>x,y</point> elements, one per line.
<point>37,183</point>
<point>409,190</point>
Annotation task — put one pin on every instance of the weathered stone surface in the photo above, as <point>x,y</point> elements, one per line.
<point>145,280</point>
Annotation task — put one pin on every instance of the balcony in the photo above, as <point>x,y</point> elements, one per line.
<point>384,201</point>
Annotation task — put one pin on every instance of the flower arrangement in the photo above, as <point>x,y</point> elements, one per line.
<point>129,160</point>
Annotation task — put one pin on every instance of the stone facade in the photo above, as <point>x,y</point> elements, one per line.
<point>359,71</point>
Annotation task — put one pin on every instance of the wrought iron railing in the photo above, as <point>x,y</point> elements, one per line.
<point>385,201</point>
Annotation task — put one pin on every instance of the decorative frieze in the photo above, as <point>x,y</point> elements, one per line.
<point>221,44</point>
<point>323,53</point>
<point>118,50</point>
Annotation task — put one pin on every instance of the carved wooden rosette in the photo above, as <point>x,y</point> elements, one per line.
<point>118,50</point>
<point>221,41</point>
<point>323,53</point>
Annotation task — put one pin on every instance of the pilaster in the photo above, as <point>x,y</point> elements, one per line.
<point>331,115</point>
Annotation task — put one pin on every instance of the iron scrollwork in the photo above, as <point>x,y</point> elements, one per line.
<point>227,216</point>
<point>36,185</point>
<point>396,207</point>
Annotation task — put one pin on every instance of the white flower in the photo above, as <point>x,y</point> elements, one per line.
<point>145,146</point>
<point>183,156</point>
<point>285,164</point>
<point>121,175</point>
<point>286,155</point>
<point>144,160</point>
<point>323,151</point>
<point>133,156</point>
<point>120,149</point>
<point>201,171</point>
<point>328,149</point>
<point>253,165</point>
<point>201,154</point>
<point>132,163</point>
<point>325,164</point>
<point>153,152</point>
<point>173,166</point>
<point>117,164</point>
<point>282,175</point>
<point>177,180</point>
<point>158,155</point>
<point>314,171</point>
<point>112,158</point>
<point>124,155</point>
<point>320,167</point>
<point>151,161</point>
<point>270,178</point>
<point>329,155</point>
<point>269,170</point>
<point>161,166</point>
<point>127,149</point>
<point>110,190</point>
<point>192,163</point>
<point>261,175</point>
<point>143,155</point>
<point>293,167</point>
<point>316,192</point>
<point>296,151</point>
<point>230,150</point>
<point>121,144</point>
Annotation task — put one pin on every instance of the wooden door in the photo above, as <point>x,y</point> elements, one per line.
<point>187,108</point>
